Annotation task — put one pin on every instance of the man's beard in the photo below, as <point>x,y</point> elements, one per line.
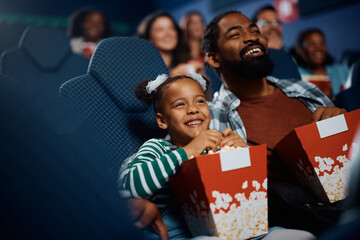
<point>252,68</point>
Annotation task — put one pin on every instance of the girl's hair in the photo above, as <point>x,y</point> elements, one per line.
<point>154,97</point>
<point>144,28</point>
<point>76,20</point>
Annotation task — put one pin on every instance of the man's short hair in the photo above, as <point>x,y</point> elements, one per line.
<point>264,8</point>
<point>211,33</point>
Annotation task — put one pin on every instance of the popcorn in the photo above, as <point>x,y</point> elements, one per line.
<point>223,149</point>
<point>228,204</point>
<point>245,218</point>
<point>335,183</point>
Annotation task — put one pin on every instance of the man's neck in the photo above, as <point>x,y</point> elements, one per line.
<point>248,88</point>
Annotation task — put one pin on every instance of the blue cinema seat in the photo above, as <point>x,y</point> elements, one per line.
<point>350,98</point>
<point>11,33</point>
<point>54,179</point>
<point>42,62</point>
<point>284,67</point>
<point>105,95</point>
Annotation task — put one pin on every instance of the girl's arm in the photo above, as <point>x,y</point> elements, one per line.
<point>152,167</point>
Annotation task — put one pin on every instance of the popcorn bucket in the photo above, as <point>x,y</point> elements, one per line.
<point>224,194</point>
<point>322,82</point>
<point>318,154</point>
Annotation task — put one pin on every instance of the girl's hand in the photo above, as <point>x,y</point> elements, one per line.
<point>208,139</point>
<point>231,139</point>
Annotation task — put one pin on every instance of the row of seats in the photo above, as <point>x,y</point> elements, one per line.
<point>43,61</point>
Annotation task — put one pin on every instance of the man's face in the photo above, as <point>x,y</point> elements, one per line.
<point>242,50</point>
<point>270,27</point>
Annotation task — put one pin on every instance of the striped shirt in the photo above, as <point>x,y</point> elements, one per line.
<point>223,108</point>
<point>147,172</point>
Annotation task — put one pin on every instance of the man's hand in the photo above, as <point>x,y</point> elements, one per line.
<point>231,139</point>
<point>322,113</point>
<point>147,215</point>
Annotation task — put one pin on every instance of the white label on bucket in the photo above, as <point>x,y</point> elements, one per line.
<point>238,158</point>
<point>332,126</point>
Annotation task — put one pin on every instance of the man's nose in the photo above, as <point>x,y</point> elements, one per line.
<point>250,37</point>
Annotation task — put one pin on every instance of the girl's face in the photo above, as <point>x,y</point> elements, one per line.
<point>163,34</point>
<point>314,49</point>
<point>195,26</point>
<point>93,26</point>
<point>185,113</point>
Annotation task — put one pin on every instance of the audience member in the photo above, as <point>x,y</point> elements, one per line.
<point>161,29</point>
<point>316,65</point>
<point>181,109</point>
<point>192,25</point>
<point>267,19</point>
<point>87,27</point>
<point>267,107</point>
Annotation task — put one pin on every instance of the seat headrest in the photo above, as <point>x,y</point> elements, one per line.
<point>120,63</point>
<point>47,46</point>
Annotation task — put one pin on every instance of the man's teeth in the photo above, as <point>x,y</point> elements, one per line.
<point>193,123</point>
<point>253,51</point>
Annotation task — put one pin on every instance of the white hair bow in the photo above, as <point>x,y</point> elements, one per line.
<point>152,85</point>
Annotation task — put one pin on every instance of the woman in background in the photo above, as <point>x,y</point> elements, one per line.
<point>192,25</point>
<point>161,29</point>
<point>316,65</point>
<point>87,27</point>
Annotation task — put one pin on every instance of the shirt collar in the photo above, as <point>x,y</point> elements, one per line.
<point>230,102</point>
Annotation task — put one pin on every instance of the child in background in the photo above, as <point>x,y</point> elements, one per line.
<point>181,109</point>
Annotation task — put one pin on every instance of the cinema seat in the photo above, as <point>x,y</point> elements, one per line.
<point>105,95</point>
<point>41,63</point>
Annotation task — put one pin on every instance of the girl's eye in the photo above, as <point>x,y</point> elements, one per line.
<point>179,104</point>
<point>200,101</point>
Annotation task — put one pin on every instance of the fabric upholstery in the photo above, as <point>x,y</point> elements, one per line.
<point>350,98</point>
<point>55,184</point>
<point>42,63</point>
<point>46,46</point>
<point>105,95</point>
<point>11,33</point>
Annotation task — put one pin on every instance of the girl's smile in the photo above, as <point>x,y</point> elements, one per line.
<point>185,113</point>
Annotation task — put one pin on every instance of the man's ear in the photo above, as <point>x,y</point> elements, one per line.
<point>161,121</point>
<point>213,59</point>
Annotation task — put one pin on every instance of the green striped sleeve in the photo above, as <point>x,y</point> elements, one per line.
<point>152,167</point>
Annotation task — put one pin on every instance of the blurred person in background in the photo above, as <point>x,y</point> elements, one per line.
<point>192,25</point>
<point>161,29</point>
<point>267,19</point>
<point>87,27</point>
<point>316,65</point>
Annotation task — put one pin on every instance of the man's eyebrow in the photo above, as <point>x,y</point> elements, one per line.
<point>232,28</point>
<point>239,27</point>
<point>253,25</point>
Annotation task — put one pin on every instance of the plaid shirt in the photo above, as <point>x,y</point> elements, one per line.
<point>223,108</point>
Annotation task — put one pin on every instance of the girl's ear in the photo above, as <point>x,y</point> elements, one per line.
<point>161,121</point>
<point>213,59</point>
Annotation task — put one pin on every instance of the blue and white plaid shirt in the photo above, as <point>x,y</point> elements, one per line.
<point>223,108</point>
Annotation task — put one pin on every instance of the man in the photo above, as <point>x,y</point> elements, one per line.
<point>269,107</point>
<point>267,19</point>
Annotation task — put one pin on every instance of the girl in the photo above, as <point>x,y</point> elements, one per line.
<point>181,109</point>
